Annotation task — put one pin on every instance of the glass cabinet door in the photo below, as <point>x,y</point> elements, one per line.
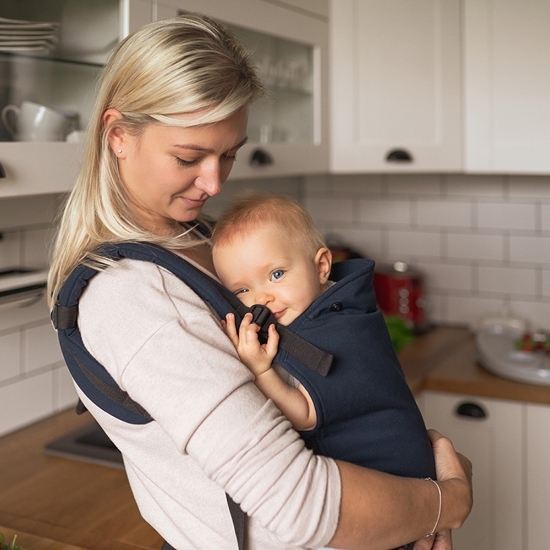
<point>286,68</point>
<point>287,130</point>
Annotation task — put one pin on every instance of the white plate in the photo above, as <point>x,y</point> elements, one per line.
<point>496,352</point>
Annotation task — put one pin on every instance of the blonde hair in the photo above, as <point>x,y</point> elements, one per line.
<point>189,65</point>
<point>254,210</point>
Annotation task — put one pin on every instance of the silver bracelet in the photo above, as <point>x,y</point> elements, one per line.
<point>439,512</point>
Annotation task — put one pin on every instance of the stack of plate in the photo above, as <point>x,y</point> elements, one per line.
<point>30,37</point>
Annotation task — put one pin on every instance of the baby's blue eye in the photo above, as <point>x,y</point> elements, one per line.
<point>277,274</point>
<point>240,291</point>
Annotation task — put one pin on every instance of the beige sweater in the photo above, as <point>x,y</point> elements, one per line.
<point>214,432</point>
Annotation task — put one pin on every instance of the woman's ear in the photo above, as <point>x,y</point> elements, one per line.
<point>116,135</point>
<point>323,262</point>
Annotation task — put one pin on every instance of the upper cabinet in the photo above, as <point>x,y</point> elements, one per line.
<point>507,86</point>
<point>395,85</point>
<point>446,85</point>
<point>288,130</point>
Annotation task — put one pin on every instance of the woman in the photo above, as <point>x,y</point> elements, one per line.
<point>169,119</point>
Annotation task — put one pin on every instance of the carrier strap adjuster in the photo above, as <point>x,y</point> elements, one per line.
<point>64,317</point>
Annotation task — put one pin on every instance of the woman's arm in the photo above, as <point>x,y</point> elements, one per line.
<point>380,511</point>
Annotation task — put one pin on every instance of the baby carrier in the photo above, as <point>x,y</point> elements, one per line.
<point>94,380</point>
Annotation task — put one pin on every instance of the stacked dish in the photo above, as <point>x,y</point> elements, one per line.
<point>31,37</point>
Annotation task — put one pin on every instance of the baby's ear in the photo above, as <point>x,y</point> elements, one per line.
<point>323,262</point>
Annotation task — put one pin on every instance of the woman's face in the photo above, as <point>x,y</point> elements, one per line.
<point>170,172</point>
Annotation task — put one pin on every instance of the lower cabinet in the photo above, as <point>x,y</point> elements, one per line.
<point>490,433</point>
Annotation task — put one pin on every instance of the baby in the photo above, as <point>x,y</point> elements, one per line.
<point>267,250</point>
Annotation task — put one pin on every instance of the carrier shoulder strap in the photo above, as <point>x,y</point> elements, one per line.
<point>111,398</point>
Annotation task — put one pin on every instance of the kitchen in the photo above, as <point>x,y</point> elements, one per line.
<point>475,220</point>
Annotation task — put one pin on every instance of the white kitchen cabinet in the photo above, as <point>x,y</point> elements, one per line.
<point>290,40</point>
<point>289,44</point>
<point>496,448</point>
<point>507,86</point>
<point>538,476</point>
<point>395,77</point>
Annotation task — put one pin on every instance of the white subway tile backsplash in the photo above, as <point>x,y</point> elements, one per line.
<point>545,217</point>
<point>475,246</point>
<point>417,184</point>
<point>331,209</point>
<point>534,187</point>
<point>41,347</point>
<point>475,186</point>
<point>404,245</point>
<point>10,250</point>
<point>367,242</point>
<point>507,280</point>
<point>372,184</point>
<point>470,310</point>
<point>537,313</point>
<point>447,276</point>
<point>25,402</point>
<point>546,283</point>
<point>530,249</point>
<point>10,355</point>
<point>506,216</point>
<point>35,245</point>
<point>385,212</point>
<point>444,214</point>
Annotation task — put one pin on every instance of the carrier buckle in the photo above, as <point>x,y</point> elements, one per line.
<point>262,317</point>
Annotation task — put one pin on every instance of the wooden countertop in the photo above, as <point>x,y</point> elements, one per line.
<point>444,360</point>
<point>55,503</point>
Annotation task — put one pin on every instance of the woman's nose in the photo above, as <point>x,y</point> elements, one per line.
<point>209,180</point>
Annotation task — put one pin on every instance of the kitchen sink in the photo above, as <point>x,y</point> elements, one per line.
<point>89,444</point>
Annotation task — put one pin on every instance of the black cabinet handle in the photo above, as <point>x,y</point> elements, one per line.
<point>471,410</point>
<point>259,157</point>
<point>399,155</point>
<point>2,171</point>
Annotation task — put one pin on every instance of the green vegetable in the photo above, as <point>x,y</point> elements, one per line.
<point>4,546</point>
<point>400,332</point>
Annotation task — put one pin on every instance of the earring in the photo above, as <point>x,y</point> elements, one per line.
<point>119,151</point>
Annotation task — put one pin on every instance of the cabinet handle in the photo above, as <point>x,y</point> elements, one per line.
<point>259,157</point>
<point>399,155</point>
<point>471,410</point>
<point>2,171</point>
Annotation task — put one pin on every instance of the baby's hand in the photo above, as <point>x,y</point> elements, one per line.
<point>257,357</point>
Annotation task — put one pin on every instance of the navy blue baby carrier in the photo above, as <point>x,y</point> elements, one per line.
<point>365,410</point>
<point>98,385</point>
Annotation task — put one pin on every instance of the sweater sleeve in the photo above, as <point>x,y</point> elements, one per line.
<point>164,346</point>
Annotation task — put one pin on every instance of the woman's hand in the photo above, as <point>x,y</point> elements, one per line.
<point>257,357</point>
<point>453,469</point>
<point>439,541</point>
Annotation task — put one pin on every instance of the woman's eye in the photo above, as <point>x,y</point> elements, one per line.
<point>277,274</point>
<point>184,162</point>
<point>230,156</point>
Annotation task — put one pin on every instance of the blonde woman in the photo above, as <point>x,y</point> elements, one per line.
<point>169,119</point>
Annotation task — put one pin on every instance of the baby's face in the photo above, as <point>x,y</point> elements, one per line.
<point>264,268</point>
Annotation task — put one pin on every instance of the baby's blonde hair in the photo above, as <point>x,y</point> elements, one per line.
<point>254,210</point>
<point>189,65</point>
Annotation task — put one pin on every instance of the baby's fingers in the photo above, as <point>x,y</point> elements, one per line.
<point>230,328</point>
<point>272,342</point>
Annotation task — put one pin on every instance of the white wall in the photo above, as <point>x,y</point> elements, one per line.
<point>483,242</point>
<point>34,382</point>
